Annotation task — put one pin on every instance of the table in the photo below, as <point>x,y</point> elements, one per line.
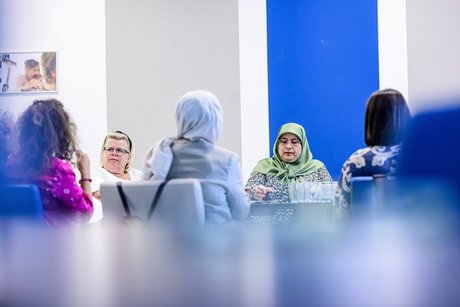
<point>287,213</point>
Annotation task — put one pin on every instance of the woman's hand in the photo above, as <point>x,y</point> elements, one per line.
<point>261,191</point>
<point>83,164</point>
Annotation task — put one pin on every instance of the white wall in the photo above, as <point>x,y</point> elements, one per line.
<point>156,51</point>
<point>433,45</point>
<point>76,30</point>
<point>159,49</point>
<point>253,83</point>
<point>393,45</point>
<point>419,50</point>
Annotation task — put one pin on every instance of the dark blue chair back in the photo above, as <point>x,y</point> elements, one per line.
<point>20,201</point>
<point>430,161</point>
<point>432,148</point>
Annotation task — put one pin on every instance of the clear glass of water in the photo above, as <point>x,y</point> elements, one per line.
<point>327,191</point>
<point>296,192</point>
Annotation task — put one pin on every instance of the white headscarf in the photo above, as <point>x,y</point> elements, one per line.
<point>198,116</point>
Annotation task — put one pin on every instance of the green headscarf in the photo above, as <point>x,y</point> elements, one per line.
<point>290,172</point>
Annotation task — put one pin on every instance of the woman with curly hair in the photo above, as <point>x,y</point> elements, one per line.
<point>45,147</point>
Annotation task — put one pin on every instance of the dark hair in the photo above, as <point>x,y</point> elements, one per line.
<point>387,116</point>
<point>6,124</point>
<point>6,133</point>
<point>45,130</point>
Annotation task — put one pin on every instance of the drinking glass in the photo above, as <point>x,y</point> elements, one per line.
<point>297,192</point>
<point>327,191</point>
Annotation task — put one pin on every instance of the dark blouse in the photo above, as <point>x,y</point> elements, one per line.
<point>365,162</point>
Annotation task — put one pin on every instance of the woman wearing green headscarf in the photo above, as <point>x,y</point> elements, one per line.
<point>292,162</point>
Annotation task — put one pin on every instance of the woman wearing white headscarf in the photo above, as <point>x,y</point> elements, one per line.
<point>194,154</point>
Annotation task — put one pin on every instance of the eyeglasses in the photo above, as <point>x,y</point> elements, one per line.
<point>119,151</point>
<point>293,142</point>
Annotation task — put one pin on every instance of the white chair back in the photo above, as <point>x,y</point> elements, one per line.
<point>180,205</point>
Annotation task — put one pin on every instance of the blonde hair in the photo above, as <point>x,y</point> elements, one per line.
<point>118,135</point>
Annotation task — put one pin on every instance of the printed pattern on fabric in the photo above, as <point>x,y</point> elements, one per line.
<point>281,194</point>
<point>364,162</point>
<point>63,200</point>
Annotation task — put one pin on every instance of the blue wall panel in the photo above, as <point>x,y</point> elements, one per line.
<point>322,66</point>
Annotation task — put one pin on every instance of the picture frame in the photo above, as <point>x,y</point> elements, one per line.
<point>28,72</point>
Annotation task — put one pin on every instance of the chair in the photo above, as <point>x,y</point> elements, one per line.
<point>370,193</point>
<point>180,205</point>
<point>431,150</point>
<point>20,201</point>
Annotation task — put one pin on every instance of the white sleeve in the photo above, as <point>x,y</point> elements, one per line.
<point>135,174</point>
<point>97,178</point>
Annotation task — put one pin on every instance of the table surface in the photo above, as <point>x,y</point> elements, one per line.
<point>288,213</point>
<point>293,204</point>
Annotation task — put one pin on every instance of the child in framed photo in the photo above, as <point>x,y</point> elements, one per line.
<point>24,72</point>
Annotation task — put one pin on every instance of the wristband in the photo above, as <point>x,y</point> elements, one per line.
<point>84,179</point>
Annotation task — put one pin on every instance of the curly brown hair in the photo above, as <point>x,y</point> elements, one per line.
<point>45,131</point>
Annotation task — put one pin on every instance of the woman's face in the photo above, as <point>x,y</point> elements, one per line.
<point>115,156</point>
<point>289,147</point>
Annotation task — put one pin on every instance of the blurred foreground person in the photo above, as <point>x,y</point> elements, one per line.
<point>430,167</point>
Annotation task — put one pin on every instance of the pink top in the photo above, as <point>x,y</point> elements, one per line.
<point>64,202</point>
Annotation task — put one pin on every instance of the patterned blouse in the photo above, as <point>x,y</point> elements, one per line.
<point>281,193</point>
<point>365,162</point>
<point>64,202</point>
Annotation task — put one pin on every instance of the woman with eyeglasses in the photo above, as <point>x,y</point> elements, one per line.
<point>116,159</point>
<point>46,144</point>
<point>292,162</point>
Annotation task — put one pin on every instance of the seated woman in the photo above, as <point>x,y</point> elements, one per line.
<point>116,159</point>
<point>45,147</point>
<point>194,154</point>
<point>292,162</point>
<point>387,116</point>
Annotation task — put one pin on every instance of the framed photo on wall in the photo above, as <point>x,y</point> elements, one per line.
<point>25,72</point>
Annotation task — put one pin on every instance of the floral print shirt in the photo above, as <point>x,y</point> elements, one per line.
<point>365,162</point>
<point>64,202</point>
